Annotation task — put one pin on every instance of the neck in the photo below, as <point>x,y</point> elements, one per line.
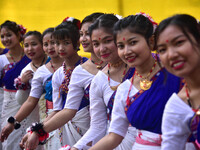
<point>70,62</point>
<point>95,58</point>
<point>56,60</point>
<point>16,51</point>
<point>193,80</point>
<point>39,60</point>
<point>146,66</point>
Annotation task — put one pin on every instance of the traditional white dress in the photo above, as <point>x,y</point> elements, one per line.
<point>100,94</point>
<point>10,106</point>
<point>37,88</point>
<point>78,88</point>
<point>175,125</point>
<point>119,123</point>
<point>3,61</point>
<point>22,95</point>
<point>75,128</point>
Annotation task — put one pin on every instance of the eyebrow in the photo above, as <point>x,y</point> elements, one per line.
<point>110,36</point>
<point>132,38</point>
<point>174,39</point>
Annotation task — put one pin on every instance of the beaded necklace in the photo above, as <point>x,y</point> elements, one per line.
<point>40,64</point>
<point>127,99</point>
<point>67,72</point>
<point>145,83</point>
<point>13,57</point>
<point>189,100</point>
<point>52,66</point>
<point>98,65</point>
<point>114,88</point>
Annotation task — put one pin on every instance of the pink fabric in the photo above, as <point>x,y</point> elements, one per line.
<point>139,140</point>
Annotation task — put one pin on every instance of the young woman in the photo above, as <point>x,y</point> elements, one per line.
<point>139,101</point>
<point>105,83</point>
<point>66,37</point>
<point>76,113</point>
<point>178,44</point>
<point>33,49</point>
<point>40,76</point>
<point>11,65</point>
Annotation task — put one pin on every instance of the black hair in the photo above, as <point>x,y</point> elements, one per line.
<point>34,33</point>
<point>105,21</point>
<point>67,30</point>
<point>186,23</point>
<point>11,25</point>
<point>92,17</point>
<point>136,24</point>
<point>48,30</point>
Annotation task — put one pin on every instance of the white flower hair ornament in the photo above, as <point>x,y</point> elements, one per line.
<point>118,16</point>
<point>155,24</point>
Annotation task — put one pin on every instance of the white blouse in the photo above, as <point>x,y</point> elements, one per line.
<point>100,93</point>
<point>175,124</point>
<point>80,80</point>
<point>22,95</point>
<point>119,123</point>
<point>39,78</point>
<point>3,61</point>
<point>57,80</point>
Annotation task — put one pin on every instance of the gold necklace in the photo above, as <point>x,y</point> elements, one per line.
<point>145,83</point>
<point>114,88</point>
<point>98,65</point>
<point>116,64</point>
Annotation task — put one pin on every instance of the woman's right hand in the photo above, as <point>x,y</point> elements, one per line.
<point>5,132</point>
<point>26,76</point>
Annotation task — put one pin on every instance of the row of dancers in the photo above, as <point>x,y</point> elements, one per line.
<point>138,90</point>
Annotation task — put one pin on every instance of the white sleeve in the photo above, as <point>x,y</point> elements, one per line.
<point>98,115</point>
<point>175,129</point>
<point>37,85</point>
<point>22,95</point>
<point>3,62</point>
<point>76,91</point>
<point>119,122</point>
<point>57,97</point>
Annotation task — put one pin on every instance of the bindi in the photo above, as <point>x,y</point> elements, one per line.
<point>124,38</point>
<point>99,38</point>
<point>167,41</point>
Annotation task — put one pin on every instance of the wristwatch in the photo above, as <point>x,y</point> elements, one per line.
<point>13,121</point>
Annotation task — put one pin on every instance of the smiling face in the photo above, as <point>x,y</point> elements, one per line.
<point>85,37</point>
<point>8,38</point>
<point>177,53</point>
<point>104,46</point>
<point>49,45</point>
<point>64,48</point>
<point>132,48</point>
<point>33,47</point>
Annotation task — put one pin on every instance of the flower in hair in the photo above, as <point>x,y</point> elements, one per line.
<point>22,29</point>
<point>73,21</point>
<point>155,24</point>
<point>118,16</point>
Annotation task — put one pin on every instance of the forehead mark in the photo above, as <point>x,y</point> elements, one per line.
<point>124,38</point>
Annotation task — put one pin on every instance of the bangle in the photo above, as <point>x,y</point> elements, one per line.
<point>38,127</point>
<point>13,121</point>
